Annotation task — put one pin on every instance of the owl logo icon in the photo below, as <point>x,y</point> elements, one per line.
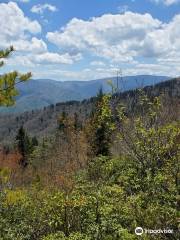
<point>139,231</point>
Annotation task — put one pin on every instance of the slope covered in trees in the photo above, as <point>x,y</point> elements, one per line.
<point>42,123</point>
<point>99,175</point>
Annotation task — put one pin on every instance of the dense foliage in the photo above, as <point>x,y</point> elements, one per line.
<point>103,196</point>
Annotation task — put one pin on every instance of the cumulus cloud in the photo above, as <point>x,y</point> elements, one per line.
<point>44,58</point>
<point>130,39</point>
<point>166,2</point>
<point>55,58</point>
<point>33,45</point>
<point>115,37</point>
<point>120,38</point>
<point>14,25</point>
<point>40,8</point>
<point>18,30</point>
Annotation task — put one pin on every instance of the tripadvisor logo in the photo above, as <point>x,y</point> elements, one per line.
<point>139,231</point>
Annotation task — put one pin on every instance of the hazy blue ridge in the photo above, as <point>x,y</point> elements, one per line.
<point>39,93</point>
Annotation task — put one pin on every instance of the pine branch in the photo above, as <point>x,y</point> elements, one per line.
<point>22,78</point>
<point>9,81</point>
<point>5,54</point>
<point>8,84</point>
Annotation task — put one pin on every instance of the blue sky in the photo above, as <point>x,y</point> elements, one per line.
<point>89,39</point>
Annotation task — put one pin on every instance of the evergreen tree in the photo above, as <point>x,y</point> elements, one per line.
<point>77,123</point>
<point>101,126</point>
<point>62,121</point>
<point>34,142</point>
<point>9,81</point>
<point>24,146</point>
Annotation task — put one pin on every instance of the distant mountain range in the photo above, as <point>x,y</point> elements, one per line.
<point>39,93</point>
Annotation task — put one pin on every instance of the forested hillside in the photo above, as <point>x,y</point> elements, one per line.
<point>43,122</point>
<point>93,170</point>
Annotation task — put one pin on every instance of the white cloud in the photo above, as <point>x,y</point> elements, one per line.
<point>126,40</point>
<point>121,38</point>
<point>14,25</point>
<point>46,59</point>
<point>114,37</point>
<point>40,8</point>
<point>166,2</point>
<point>55,58</point>
<point>19,31</point>
<point>33,45</point>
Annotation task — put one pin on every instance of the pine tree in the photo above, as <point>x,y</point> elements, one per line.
<point>62,121</point>
<point>34,142</point>
<point>101,126</point>
<point>23,145</point>
<point>9,81</point>
<point>77,124</point>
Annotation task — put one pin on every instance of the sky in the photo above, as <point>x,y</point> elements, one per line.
<point>91,39</point>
